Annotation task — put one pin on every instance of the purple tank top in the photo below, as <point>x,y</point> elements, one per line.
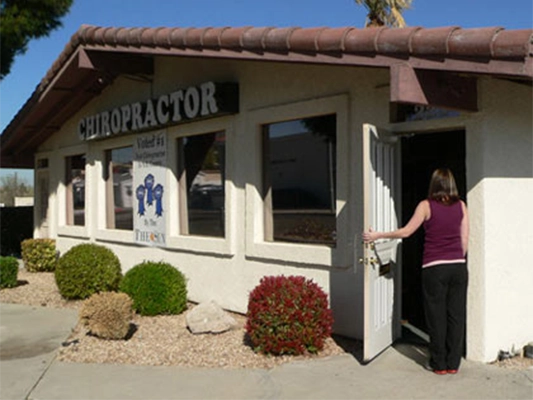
<point>443,233</point>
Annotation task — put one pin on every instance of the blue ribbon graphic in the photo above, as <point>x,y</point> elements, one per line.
<point>140,197</point>
<point>158,194</point>
<point>149,184</point>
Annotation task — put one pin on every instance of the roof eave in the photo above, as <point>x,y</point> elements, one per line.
<point>95,56</point>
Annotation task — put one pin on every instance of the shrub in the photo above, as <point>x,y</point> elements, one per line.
<point>288,315</point>
<point>107,315</point>
<point>9,269</point>
<point>39,255</point>
<point>156,288</point>
<point>86,269</point>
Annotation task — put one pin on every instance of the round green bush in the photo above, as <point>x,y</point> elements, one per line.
<point>155,288</point>
<point>87,269</point>
<point>288,315</point>
<point>39,255</point>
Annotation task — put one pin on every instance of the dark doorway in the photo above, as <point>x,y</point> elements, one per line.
<point>421,155</point>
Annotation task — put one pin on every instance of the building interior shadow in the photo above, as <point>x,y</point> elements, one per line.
<point>412,344</point>
<point>351,346</point>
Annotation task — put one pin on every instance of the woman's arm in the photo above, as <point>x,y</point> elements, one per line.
<point>465,229</point>
<point>422,213</point>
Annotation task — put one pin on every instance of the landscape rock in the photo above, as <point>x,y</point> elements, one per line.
<point>209,317</point>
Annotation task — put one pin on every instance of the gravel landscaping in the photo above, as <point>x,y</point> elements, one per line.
<point>159,340</point>
<point>166,340</point>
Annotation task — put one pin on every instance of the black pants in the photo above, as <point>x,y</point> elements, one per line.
<point>444,287</point>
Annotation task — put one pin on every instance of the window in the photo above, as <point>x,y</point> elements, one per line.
<point>299,180</point>
<point>119,188</point>
<point>201,181</point>
<point>75,180</point>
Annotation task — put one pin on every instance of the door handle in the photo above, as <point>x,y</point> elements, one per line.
<point>372,245</point>
<point>371,261</point>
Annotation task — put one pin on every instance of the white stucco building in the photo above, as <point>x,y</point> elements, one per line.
<point>235,153</point>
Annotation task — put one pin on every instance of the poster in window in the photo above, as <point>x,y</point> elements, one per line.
<point>149,166</point>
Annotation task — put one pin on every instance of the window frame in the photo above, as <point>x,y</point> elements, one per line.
<point>268,190</point>
<point>183,194</point>
<point>69,192</point>
<point>222,246</point>
<point>63,229</point>
<point>110,190</point>
<point>300,253</point>
<point>100,183</point>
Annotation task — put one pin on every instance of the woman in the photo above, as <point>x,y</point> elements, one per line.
<point>444,272</point>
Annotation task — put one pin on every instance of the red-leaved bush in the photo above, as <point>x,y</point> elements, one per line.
<point>288,315</point>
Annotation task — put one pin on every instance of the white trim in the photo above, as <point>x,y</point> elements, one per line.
<point>256,246</point>
<point>191,243</point>
<point>62,228</point>
<point>99,148</point>
<point>38,230</point>
<point>175,241</point>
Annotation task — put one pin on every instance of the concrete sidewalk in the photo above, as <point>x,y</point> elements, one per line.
<point>29,339</point>
<point>395,374</point>
<point>391,376</point>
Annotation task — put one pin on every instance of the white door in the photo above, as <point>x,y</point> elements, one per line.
<point>381,183</point>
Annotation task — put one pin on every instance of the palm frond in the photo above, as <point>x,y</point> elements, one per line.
<point>385,12</point>
<point>397,18</point>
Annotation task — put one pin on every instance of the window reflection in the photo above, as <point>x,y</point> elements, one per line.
<point>76,190</point>
<point>299,181</point>
<point>202,166</point>
<point>120,188</point>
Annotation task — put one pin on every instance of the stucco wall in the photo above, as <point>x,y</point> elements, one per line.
<point>500,176</point>
<point>231,267</point>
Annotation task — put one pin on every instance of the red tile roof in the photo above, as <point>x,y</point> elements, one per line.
<point>493,51</point>
<point>472,49</point>
<point>447,41</point>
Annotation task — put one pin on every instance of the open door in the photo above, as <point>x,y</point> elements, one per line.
<point>381,184</point>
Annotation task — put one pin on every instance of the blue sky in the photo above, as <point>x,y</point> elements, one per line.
<point>28,69</point>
